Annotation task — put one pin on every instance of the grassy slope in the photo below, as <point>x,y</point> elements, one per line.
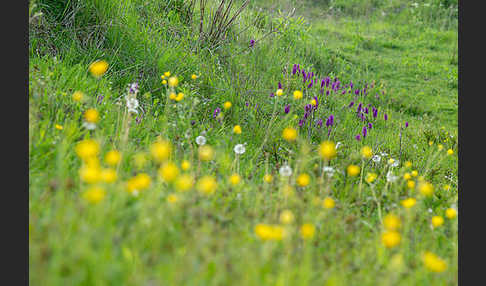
<point>211,241</point>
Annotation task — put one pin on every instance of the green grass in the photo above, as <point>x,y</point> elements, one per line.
<point>409,53</point>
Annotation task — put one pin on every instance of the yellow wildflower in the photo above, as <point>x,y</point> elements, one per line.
<point>91,115</point>
<point>328,203</point>
<point>366,152</point>
<point>237,129</point>
<point>184,182</point>
<point>207,185</point>
<point>235,179</point>
<point>327,150</point>
<point>353,170</point>
<point>98,68</point>
<point>160,150</point>
<point>289,134</point>
<point>227,105</point>
<point>94,194</point>
<point>298,94</point>
<point>433,263</point>
<point>307,231</point>
<point>113,157</point>
<point>206,153</point>
<point>390,238</point>
<point>437,221</point>
<point>286,217</point>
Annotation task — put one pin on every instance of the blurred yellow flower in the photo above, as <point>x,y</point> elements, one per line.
<point>172,96</point>
<point>113,157</point>
<point>172,198</point>
<point>433,263</point>
<point>366,152</point>
<point>437,221</point>
<point>227,105</point>
<point>392,222</point>
<point>353,170</point>
<point>279,92</point>
<point>268,178</point>
<point>410,184</point>
<point>160,150</point>
<point>91,115</point>
<point>289,134</point>
<point>193,76</point>
<point>414,173</point>
<point>235,179</point>
<point>59,127</point>
<point>94,194</point>
<point>179,96</point>
<point>286,217</point>
<point>90,174</point>
<point>328,203</point>
<point>173,81</point>
<point>303,180</point>
<point>185,165</point>
<point>307,231</point>
<point>237,129</point>
<point>407,176</point>
<point>167,74</point>
<point>390,238</point>
<point>327,150</point>
<point>108,175</point>
<point>408,203</point>
<point>87,148</point>
<point>451,213</point>
<point>184,182</point>
<point>408,164</point>
<point>98,68</point>
<point>78,96</point>
<point>450,152</point>
<point>206,153</point>
<point>164,82</point>
<point>371,177</point>
<point>169,172</point>
<point>426,188</point>
<point>298,94</point>
<point>269,232</point>
<point>207,185</point>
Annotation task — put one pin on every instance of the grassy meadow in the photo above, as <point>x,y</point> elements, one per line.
<point>215,142</point>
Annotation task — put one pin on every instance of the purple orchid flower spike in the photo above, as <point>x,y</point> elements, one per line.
<point>319,123</point>
<point>294,69</point>
<point>252,43</point>
<point>358,137</point>
<point>351,104</point>
<point>193,122</point>
<point>216,112</point>
<point>360,105</point>
<point>317,102</point>
<point>287,109</point>
<point>301,122</point>
<point>308,107</point>
<point>364,131</point>
<point>385,117</point>
<point>279,85</point>
<point>370,125</point>
<point>323,82</point>
<point>310,84</point>
<point>271,95</point>
<point>406,124</point>
<point>356,92</point>
<point>327,92</point>
<point>375,112</point>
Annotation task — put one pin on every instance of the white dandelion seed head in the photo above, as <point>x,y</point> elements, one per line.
<point>285,171</point>
<point>329,170</point>
<point>390,177</point>
<point>200,140</point>
<point>239,149</point>
<point>429,210</point>
<point>132,103</point>
<point>89,125</point>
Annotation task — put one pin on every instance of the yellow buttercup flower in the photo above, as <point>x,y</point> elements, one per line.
<point>289,134</point>
<point>160,150</point>
<point>433,263</point>
<point>227,105</point>
<point>451,213</point>
<point>440,147</point>
<point>207,185</point>
<point>90,174</point>
<point>328,203</point>
<point>431,143</point>
<point>184,182</point>
<point>59,127</point>
<point>87,148</point>
<point>138,183</point>
<point>108,175</point>
<point>169,172</point>
<point>179,96</point>
<point>408,164</point>
<point>279,92</point>
<point>185,165</point>
<point>327,150</point>
<point>298,94</point>
<point>269,232</point>
<point>98,68</point>
<point>450,152</point>
<point>172,96</point>
<point>410,184</point>
<point>206,153</point>
<point>167,74</point>
<point>313,102</point>
<point>94,194</point>
<point>162,77</point>
<point>390,238</point>
<point>447,187</point>
<point>113,157</point>
<point>408,203</point>
<point>173,81</point>
<point>237,129</point>
<point>303,180</point>
<point>268,178</point>
<point>193,76</point>
<point>371,177</point>
<point>414,173</point>
<point>407,176</point>
<point>353,170</point>
<point>366,152</point>
<point>392,222</point>
<point>286,217</point>
<point>426,189</point>
<point>91,115</point>
<point>164,82</point>
<point>437,221</point>
<point>235,179</point>
<point>307,231</point>
<point>172,198</point>
<point>78,96</point>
